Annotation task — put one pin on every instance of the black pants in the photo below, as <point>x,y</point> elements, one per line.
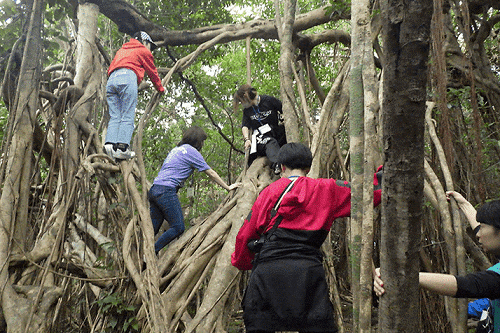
<point>270,149</point>
<point>301,304</point>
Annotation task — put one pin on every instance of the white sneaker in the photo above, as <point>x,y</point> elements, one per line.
<point>123,155</point>
<point>108,149</point>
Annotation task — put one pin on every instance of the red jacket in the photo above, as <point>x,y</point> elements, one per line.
<point>311,205</point>
<point>135,56</point>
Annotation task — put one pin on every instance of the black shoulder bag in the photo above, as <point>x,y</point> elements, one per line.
<point>255,245</point>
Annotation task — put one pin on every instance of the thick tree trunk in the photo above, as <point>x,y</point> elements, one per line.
<point>406,35</point>
<point>370,100</point>
<point>18,310</point>
<point>332,114</point>
<point>285,31</point>
<point>356,144</point>
<point>88,78</point>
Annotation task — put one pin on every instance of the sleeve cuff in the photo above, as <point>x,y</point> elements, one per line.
<point>476,229</point>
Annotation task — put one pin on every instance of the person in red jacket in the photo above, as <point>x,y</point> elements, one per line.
<point>125,73</point>
<point>287,289</point>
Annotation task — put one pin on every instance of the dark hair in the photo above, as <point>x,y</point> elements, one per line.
<point>245,93</point>
<point>489,213</point>
<point>193,136</point>
<point>295,155</point>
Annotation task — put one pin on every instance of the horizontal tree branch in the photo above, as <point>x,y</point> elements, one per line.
<point>130,20</point>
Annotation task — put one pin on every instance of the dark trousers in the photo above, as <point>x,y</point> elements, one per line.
<point>269,149</point>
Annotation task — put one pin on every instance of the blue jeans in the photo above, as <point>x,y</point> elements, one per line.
<point>165,205</point>
<point>121,94</point>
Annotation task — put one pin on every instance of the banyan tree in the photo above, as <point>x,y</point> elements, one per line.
<point>411,85</point>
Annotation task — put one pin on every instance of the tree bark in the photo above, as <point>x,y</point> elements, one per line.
<point>88,79</point>
<point>285,31</point>
<point>14,198</point>
<point>370,100</point>
<point>129,20</point>
<point>356,144</point>
<point>406,34</point>
<point>452,226</point>
<point>193,297</point>
<point>331,116</point>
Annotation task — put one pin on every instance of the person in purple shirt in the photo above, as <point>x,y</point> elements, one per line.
<point>177,167</point>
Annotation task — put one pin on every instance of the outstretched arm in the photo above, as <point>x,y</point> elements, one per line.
<point>216,178</point>
<point>147,61</point>
<point>443,284</point>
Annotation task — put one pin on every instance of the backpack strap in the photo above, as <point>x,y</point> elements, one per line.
<point>274,210</point>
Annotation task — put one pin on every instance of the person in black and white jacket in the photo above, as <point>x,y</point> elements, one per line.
<point>262,124</point>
